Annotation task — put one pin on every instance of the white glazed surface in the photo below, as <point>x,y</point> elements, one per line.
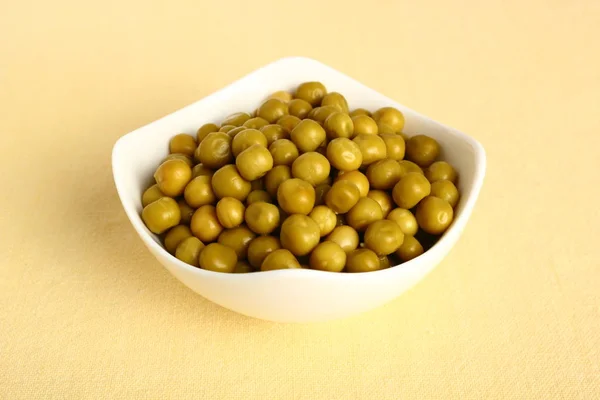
<point>291,295</point>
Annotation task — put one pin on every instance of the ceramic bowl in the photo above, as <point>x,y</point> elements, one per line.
<point>297,295</point>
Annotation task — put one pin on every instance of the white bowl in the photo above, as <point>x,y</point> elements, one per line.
<point>291,295</point>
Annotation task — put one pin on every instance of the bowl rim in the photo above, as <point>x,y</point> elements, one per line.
<point>444,244</point>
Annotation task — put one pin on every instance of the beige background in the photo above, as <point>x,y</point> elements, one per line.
<point>513,312</point>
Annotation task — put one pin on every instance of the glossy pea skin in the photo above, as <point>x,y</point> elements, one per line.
<point>189,250</point>
<point>230,212</point>
<point>218,258</point>
<point>161,215</point>
<point>328,256</point>
<point>362,260</point>
<point>280,259</point>
<point>296,196</point>
<point>172,176</point>
<point>311,92</point>
<point>299,234</point>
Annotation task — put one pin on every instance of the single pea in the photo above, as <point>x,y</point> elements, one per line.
<point>325,218</point>
<point>227,182</point>
<point>215,150</point>
<point>445,190</point>
<point>364,125</point>
<point>390,116</point>
<point>336,100</point>
<point>296,196</point>
<point>189,250</point>
<point>175,236</point>
<point>410,249</point>
<point>434,215</point>
<point>422,150</point>
<point>256,123</point>
<point>311,167</point>
<point>282,95</point>
<point>372,148</point>
<point>405,220</point>
<point>345,236</point>
<point>383,237</point>
<point>362,260</point>
<point>217,257</point>
<point>394,145</point>
<point>238,239</point>
<point>204,130</point>
<point>441,170</point>
<point>279,259</point>
<point>161,215</point>
<point>299,108</point>
<point>328,256</point>
<point>308,135</point>
<point>260,248</point>
<point>272,109</point>
<point>230,212</point>
<point>364,213</point>
<point>284,152</point>
<point>410,190</point>
<point>262,218</point>
<point>342,196</point>
<point>311,92</point>
<point>299,234</point>
<point>199,192</point>
<point>383,199</point>
<point>384,174</point>
<point>183,143</point>
<point>236,119</point>
<point>274,132</point>
<point>254,162</point>
<point>172,176</point>
<point>205,224</point>
<point>360,111</point>
<point>339,125</point>
<point>151,194</point>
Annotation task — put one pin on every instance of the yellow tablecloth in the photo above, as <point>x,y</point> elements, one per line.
<point>513,312</point>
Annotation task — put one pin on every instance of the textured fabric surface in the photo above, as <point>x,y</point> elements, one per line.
<point>512,313</point>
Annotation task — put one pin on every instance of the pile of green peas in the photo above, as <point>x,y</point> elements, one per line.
<point>301,182</point>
